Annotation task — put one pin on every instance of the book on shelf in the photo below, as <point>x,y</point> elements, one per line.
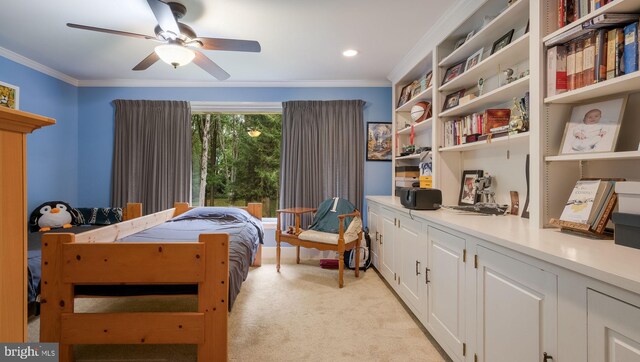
<point>601,56</point>
<point>579,62</point>
<point>496,117</point>
<point>556,70</point>
<point>631,48</point>
<point>589,59</point>
<point>578,207</point>
<point>571,66</point>
<point>589,207</point>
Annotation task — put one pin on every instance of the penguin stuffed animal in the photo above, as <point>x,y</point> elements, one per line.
<point>52,214</point>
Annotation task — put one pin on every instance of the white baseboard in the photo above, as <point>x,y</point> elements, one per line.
<point>288,254</point>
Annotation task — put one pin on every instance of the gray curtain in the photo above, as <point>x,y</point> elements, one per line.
<point>322,152</point>
<point>152,154</point>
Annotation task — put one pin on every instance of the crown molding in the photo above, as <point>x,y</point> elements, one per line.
<point>244,107</point>
<point>449,21</point>
<point>231,84</point>
<point>6,53</point>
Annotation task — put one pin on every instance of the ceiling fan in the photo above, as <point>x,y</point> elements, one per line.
<point>179,42</point>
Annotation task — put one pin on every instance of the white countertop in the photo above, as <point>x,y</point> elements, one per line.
<point>600,259</point>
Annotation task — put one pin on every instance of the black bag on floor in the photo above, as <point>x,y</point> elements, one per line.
<point>365,255</point>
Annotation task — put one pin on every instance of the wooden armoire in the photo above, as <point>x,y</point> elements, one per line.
<point>14,126</point>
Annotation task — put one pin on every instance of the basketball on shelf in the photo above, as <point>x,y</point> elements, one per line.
<point>421,111</point>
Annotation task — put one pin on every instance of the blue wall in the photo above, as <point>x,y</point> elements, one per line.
<point>96,126</point>
<point>72,160</point>
<point>52,152</point>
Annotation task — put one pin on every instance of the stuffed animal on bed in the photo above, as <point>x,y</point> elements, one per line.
<point>52,214</point>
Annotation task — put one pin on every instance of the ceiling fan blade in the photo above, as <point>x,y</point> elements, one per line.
<point>109,31</point>
<point>147,62</point>
<point>164,15</point>
<point>209,66</point>
<point>230,44</point>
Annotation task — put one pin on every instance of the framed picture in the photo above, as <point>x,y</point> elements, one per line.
<point>452,100</point>
<point>502,42</point>
<point>378,141</point>
<point>405,94</point>
<point>453,71</point>
<point>9,96</point>
<point>473,60</point>
<point>593,127</point>
<point>415,89</point>
<point>459,43</point>
<point>469,36</point>
<point>468,189</point>
<point>428,79</point>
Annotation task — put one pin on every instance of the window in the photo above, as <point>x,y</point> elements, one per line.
<point>232,167</point>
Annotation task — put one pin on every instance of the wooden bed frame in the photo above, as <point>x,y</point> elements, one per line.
<point>93,258</point>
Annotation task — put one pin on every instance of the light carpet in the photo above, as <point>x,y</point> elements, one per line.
<point>299,314</point>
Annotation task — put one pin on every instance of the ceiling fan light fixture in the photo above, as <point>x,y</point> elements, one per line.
<point>175,54</point>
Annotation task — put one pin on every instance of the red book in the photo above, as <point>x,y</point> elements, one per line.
<point>561,13</point>
<point>556,70</point>
<point>496,117</point>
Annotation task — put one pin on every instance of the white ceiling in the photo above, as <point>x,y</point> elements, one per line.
<point>302,40</point>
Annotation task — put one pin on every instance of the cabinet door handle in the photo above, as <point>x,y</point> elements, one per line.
<point>546,357</point>
<point>376,236</point>
<point>426,275</point>
<point>417,268</point>
<point>380,239</point>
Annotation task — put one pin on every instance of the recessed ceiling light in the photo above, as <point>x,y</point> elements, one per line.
<point>350,53</point>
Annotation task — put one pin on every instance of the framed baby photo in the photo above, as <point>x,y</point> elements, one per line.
<point>453,71</point>
<point>593,127</point>
<point>468,189</point>
<point>452,100</point>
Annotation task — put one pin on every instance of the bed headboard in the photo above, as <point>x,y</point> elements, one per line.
<point>254,208</point>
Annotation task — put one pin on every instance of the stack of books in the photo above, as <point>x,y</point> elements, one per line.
<point>477,127</point>
<point>600,49</point>
<point>589,207</point>
<point>572,10</point>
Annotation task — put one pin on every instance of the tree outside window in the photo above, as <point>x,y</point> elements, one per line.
<point>230,167</point>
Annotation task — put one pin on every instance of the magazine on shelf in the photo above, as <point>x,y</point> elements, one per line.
<point>580,203</point>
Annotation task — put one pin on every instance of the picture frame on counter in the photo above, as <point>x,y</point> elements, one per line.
<point>452,100</point>
<point>502,42</point>
<point>593,127</point>
<point>468,188</point>
<point>453,71</point>
<point>473,60</point>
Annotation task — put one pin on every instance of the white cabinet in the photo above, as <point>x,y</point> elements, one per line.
<point>446,289</point>
<point>411,248</point>
<point>613,329</point>
<point>372,222</point>
<point>516,310</point>
<point>387,227</point>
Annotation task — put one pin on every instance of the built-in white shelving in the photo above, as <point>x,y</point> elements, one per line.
<point>511,18</point>
<point>409,157</point>
<point>625,155</point>
<point>485,144</point>
<point>496,96</point>
<point>418,127</point>
<point>513,53</point>
<point>622,84</point>
<point>425,95</point>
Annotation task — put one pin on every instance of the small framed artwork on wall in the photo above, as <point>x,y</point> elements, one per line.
<point>9,96</point>
<point>378,141</point>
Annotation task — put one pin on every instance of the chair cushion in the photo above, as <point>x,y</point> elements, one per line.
<point>329,238</point>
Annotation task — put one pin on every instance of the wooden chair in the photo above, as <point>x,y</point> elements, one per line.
<point>321,240</point>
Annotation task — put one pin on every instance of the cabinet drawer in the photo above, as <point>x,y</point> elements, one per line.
<point>613,328</point>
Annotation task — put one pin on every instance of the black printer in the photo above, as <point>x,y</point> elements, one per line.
<point>420,199</point>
